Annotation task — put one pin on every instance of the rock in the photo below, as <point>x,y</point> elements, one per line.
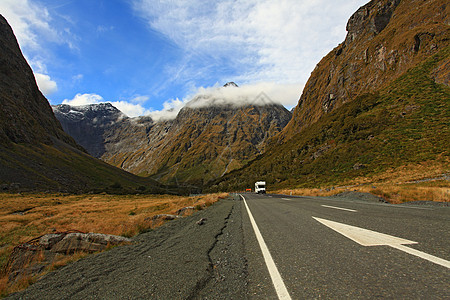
<point>185,210</point>
<point>49,240</point>
<point>359,166</point>
<point>162,217</point>
<point>201,221</point>
<point>32,257</point>
<point>231,83</point>
<point>87,242</point>
<point>320,151</point>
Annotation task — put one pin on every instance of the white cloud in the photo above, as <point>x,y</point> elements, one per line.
<point>45,84</point>
<point>130,109</point>
<point>170,110</point>
<point>256,94</point>
<point>32,25</point>
<point>84,99</point>
<point>262,40</point>
<point>140,99</point>
<point>27,20</point>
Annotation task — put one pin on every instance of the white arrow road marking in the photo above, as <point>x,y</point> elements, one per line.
<point>347,209</point>
<point>277,281</point>
<point>367,237</point>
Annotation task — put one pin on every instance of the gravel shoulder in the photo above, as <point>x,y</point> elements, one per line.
<point>179,260</point>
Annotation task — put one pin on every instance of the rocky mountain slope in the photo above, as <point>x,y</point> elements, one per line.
<point>377,103</point>
<point>87,124</point>
<point>384,39</point>
<point>35,152</point>
<point>208,138</point>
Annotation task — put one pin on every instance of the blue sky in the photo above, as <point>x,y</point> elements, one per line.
<point>150,56</point>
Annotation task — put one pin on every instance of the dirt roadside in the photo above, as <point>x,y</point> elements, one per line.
<point>180,260</point>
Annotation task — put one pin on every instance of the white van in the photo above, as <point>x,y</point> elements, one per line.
<point>260,187</point>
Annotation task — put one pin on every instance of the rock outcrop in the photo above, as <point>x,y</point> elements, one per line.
<point>384,39</point>
<point>88,124</point>
<point>32,257</point>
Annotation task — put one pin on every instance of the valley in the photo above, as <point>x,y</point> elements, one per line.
<point>365,148</point>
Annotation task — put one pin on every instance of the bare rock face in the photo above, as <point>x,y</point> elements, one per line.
<point>87,242</point>
<point>384,39</point>
<point>32,257</point>
<point>88,124</point>
<point>231,83</point>
<point>370,18</point>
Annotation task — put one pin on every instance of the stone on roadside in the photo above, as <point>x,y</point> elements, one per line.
<point>185,210</point>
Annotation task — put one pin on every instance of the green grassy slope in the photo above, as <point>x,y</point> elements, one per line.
<point>405,123</point>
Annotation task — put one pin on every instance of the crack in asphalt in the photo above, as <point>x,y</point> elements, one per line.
<point>201,284</point>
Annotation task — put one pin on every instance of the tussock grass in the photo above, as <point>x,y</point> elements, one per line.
<point>393,193</point>
<point>26,216</point>
<point>396,186</point>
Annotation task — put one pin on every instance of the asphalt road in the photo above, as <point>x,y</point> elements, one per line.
<point>179,260</point>
<point>315,261</point>
<point>222,259</point>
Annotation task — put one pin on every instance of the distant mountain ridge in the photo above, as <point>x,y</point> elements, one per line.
<point>209,137</point>
<point>88,124</point>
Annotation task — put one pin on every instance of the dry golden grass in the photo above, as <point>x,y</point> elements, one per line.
<point>437,190</point>
<point>408,173</point>
<point>26,216</point>
<point>402,184</point>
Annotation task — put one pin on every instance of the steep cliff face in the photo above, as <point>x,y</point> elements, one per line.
<point>25,114</point>
<point>88,124</point>
<point>385,38</point>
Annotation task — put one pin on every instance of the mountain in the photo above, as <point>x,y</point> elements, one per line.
<point>35,153</point>
<point>88,124</point>
<point>209,137</point>
<point>25,115</point>
<point>377,104</point>
<point>204,143</point>
<point>385,38</point>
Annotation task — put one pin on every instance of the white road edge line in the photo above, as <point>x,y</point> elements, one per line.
<point>277,281</point>
<point>286,199</point>
<point>426,256</point>
<point>347,209</point>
